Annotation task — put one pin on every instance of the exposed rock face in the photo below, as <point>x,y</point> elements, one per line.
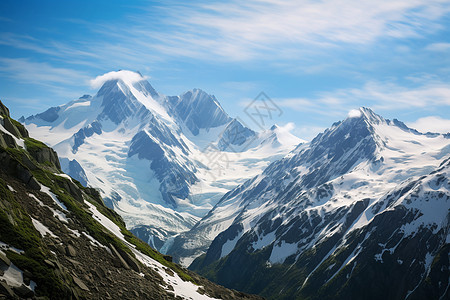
<point>198,110</point>
<point>43,154</point>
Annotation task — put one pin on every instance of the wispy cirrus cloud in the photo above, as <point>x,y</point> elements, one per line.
<point>25,70</point>
<point>384,96</point>
<point>431,124</point>
<point>438,47</point>
<point>246,30</point>
<point>241,30</point>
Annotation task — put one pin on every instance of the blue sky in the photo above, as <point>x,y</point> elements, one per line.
<point>315,59</point>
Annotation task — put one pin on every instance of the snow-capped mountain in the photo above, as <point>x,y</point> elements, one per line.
<point>362,211</point>
<point>162,162</point>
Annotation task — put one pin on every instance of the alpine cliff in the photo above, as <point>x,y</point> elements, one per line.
<point>59,241</point>
<point>360,212</point>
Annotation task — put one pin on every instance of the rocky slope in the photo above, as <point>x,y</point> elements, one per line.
<point>59,241</point>
<point>361,212</point>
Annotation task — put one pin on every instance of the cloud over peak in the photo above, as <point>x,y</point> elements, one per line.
<point>126,76</point>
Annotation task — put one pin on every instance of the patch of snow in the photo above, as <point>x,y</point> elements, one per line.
<point>63,175</point>
<point>43,230</point>
<point>53,196</point>
<point>228,246</point>
<point>74,232</point>
<point>79,104</point>
<point>282,251</point>
<point>94,242</point>
<point>56,213</point>
<point>184,289</point>
<point>105,221</point>
<point>14,277</point>
<point>264,241</point>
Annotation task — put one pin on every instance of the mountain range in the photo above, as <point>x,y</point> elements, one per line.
<point>360,212</point>
<point>156,159</point>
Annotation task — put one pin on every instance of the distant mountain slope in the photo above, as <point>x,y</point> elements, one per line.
<point>157,160</point>
<point>361,212</point>
<point>59,241</point>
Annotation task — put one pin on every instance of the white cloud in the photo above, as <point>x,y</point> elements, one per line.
<point>354,113</point>
<point>288,127</point>
<point>431,124</point>
<point>391,96</point>
<point>127,76</point>
<point>245,30</point>
<point>27,71</point>
<point>438,47</point>
<point>241,30</point>
<point>378,95</point>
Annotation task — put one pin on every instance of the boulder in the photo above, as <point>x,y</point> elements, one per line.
<point>23,173</point>
<point>80,283</point>
<point>60,249</point>
<point>2,142</point>
<point>70,251</point>
<point>131,261</point>
<point>49,263</point>
<point>168,258</point>
<point>28,163</point>
<point>118,259</point>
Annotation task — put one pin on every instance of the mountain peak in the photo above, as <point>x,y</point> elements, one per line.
<point>366,114</point>
<point>198,109</point>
